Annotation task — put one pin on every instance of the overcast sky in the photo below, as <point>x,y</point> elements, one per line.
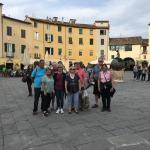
<point>127,17</point>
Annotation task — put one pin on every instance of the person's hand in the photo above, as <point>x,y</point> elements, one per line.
<point>45,93</point>
<point>111,90</point>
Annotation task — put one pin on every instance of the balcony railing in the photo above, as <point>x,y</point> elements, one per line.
<point>10,54</point>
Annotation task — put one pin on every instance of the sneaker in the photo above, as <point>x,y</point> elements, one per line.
<point>109,110</point>
<point>95,106</point>
<point>45,114</point>
<point>58,111</point>
<point>62,111</point>
<point>103,109</point>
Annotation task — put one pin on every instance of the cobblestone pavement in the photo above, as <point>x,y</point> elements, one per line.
<point>127,127</point>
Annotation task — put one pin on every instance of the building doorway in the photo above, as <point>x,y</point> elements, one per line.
<point>9,65</point>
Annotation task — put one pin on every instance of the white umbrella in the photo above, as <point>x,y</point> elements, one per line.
<point>26,60</point>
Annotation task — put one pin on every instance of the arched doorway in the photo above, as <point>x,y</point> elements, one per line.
<point>129,63</point>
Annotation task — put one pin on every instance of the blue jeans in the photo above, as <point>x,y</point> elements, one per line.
<point>60,98</point>
<point>73,100</point>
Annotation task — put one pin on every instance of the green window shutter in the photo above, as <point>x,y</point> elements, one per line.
<point>13,48</point>
<point>5,47</point>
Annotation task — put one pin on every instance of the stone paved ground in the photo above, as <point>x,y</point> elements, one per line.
<point>127,127</point>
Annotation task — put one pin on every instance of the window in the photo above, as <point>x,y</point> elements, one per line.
<point>102,41</point>
<point>128,47</point>
<point>70,52</point>
<point>102,53</point>
<point>9,49</point>
<point>59,51</point>
<point>112,56</point>
<point>23,47</point>
<point>59,28</point>
<point>49,38</point>
<point>48,27</point>
<point>91,41</point>
<point>49,50</point>
<point>59,39</point>
<point>91,31</point>
<point>102,32</point>
<point>80,31</point>
<point>144,56</point>
<point>80,41</point>
<point>35,24</point>
<point>70,40</point>
<point>70,30</point>
<point>144,50</point>
<point>91,53</point>
<point>36,36</point>
<point>23,33</point>
<point>37,56</point>
<point>80,53</point>
<point>9,31</point>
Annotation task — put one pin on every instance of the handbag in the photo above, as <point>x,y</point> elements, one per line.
<point>24,78</point>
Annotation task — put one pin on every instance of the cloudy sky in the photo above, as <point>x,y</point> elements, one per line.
<point>127,17</point>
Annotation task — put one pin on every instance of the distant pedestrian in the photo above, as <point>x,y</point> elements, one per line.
<point>29,79</point>
<point>135,71</point>
<point>148,72</point>
<point>37,76</point>
<point>139,72</point>
<point>144,72</point>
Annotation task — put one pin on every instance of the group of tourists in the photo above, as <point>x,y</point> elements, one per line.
<point>141,72</point>
<point>54,82</point>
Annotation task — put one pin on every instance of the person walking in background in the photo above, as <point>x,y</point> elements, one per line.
<point>106,87</point>
<point>144,71</point>
<point>59,86</point>
<point>48,89</point>
<point>148,72</point>
<point>135,71</point>
<point>139,72</point>
<point>37,76</point>
<point>72,87</point>
<point>29,79</point>
<point>94,77</point>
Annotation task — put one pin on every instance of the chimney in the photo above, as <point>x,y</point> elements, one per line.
<point>55,19</point>
<point>72,21</point>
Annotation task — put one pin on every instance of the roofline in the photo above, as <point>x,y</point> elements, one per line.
<point>1,4</point>
<point>126,37</point>
<point>102,21</point>
<point>69,25</point>
<point>14,19</point>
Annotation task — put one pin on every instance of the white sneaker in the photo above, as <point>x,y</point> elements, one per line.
<point>62,111</point>
<point>58,110</point>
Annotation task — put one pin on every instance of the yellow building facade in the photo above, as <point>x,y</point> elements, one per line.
<point>51,39</point>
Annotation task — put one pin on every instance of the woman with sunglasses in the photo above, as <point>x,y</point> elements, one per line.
<point>72,86</point>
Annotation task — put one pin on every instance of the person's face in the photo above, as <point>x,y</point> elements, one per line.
<point>49,72</point>
<point>42,63</point>
<point>100,62</point>
<point>60,69</point>
<point>78,66</point>
<point>72,70</point>
<point>104,68</point>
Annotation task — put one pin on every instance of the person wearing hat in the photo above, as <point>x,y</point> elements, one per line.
<point>48,89</point>
<point>95,77</point>
<point>72,86</point>
<point>59,86</point>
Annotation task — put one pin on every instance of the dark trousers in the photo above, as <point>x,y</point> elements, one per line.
<point>37,94</point>
<point>143,77</point>
<point>60,98</point>
<point>135,75</point>
<point>148,77</point>
<point>46,101</point>
<point>138,75</point>
<point>29,85</point>
<point>106,99</point>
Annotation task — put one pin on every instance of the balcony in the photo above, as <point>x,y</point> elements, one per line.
<point>10,54</point>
